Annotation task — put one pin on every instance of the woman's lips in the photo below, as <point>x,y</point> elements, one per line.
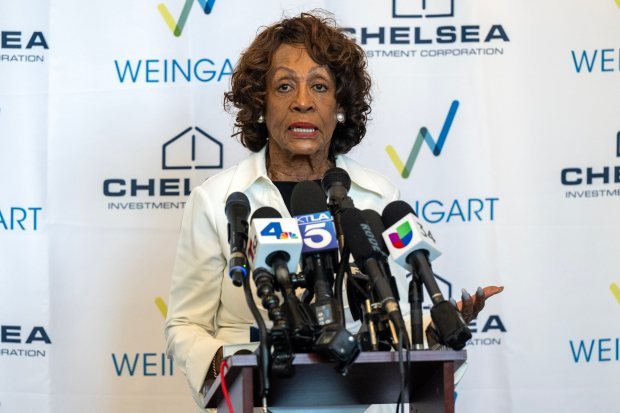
<point>303,129</point>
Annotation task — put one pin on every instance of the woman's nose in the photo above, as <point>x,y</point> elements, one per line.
<point>303,100</point>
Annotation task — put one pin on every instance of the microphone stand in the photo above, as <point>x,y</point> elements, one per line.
<point>343,268</point>
<point>262,357</point>
<point>416,297</point>
<point>452,330</point>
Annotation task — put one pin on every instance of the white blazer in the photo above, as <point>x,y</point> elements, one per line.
<point>205,310</point>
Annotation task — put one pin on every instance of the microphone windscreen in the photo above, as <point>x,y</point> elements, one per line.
<point>307,198</point>
<point>239,201</point>
<point>358,235</point>
<point>266,212</point>
<point>334,176</point>
<point>395,211</point>
<point>373,219</point>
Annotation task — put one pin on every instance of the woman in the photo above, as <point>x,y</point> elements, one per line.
<point>301,92</point>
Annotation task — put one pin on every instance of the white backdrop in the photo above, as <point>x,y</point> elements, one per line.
<point>517,174</point>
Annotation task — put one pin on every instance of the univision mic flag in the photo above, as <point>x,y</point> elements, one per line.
<point>408,235</point>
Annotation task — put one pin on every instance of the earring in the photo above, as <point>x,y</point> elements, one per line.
<point>340,117</point>
<point>261,118</point>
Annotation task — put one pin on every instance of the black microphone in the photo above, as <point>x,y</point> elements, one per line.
<point>416,256</point>
<point>415,287</point>
<point>373,219</point>
<point>318,263</point>
<point>336,183</point>
<point>274,251</point>
<point>409,240</point>
<point>237,211</point>
<point>317,231</point>
<point>368,256</point>
<point>271,252</point>
<point>266,212</point>
<point>274,241</point>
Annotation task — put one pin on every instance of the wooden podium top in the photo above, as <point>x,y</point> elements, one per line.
<point>374,378</point>
<point>365,357</point>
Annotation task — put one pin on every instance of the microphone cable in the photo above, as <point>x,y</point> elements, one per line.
<point>263,356</point>
<point>343,268</point>
<point>223,368</point>
<point>403,373</point>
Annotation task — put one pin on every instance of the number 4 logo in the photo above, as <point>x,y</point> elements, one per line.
<point>273,229</point>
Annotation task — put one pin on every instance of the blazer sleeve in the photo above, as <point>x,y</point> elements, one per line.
<point>195,292</point>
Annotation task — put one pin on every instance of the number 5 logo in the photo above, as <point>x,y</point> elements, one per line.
<point>316,236</point>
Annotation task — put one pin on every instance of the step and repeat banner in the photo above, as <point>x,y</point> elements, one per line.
<point>499,120</point>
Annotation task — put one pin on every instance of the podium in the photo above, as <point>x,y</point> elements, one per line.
<point>374,378</point>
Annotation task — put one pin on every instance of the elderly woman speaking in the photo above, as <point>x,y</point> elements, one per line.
<point>301,97</point>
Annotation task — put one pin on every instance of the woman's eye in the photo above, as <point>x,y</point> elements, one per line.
<point>284,87</point>
<point>320,87</point>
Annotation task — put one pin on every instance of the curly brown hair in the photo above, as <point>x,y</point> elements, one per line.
<point>327,45</point>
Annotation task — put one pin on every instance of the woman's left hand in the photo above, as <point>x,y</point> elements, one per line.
<point>471,304</point>
<point>469,307</point>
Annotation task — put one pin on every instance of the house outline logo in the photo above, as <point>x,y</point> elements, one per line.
<point>194,133</point>
<point>418,9</point>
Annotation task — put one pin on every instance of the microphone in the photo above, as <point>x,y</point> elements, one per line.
<point>409,244</point>
<point>368,256</point>
<point>274,248</point>
<point>237,210</point>
<point>317,230</point>
<point>274,241</point>
<point>336,183</point>
<point>319,256</point>
<point>413,247</point>
<point>415,287</point>
<point>373,219</point>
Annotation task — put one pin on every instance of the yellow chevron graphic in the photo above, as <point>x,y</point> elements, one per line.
<point>400,166</point>
<point>615,290</point>
<point>162,306</point>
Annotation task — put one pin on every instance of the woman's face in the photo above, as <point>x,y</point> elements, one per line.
<point>300,104</point>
